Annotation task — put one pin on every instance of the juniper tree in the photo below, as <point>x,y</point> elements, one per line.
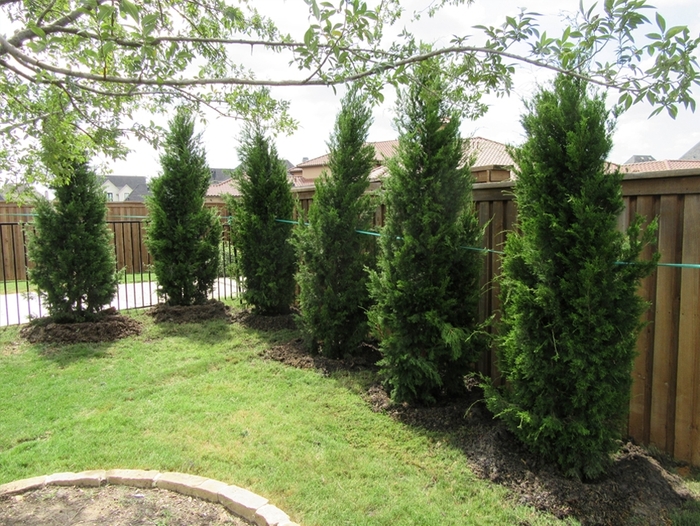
<point>182,235</point>
<point>332,278</point>
<point>71,247</point>
<point>571,314</point>
<point>267,260</point>
<point>426,287</point>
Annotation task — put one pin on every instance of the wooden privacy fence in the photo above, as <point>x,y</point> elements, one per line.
<point>665,398</point>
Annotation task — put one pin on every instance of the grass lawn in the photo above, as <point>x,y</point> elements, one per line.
<point>199,399</point>
<point>14,287</point>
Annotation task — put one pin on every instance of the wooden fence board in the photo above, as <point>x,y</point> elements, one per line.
<point>640,399</point>
<point>665,348</point>
<point>688,337</point>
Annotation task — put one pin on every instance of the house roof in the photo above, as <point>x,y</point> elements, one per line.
<point>120,181</point>
<point>139,193</point>
<point>488,153</point>
<point>693,154</point>
<point>485,152</point>
<point>223,187</point>
<point>658,166</point>
<point>640,159</point>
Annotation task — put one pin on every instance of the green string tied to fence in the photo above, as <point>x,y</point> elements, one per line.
<point>499,252</point>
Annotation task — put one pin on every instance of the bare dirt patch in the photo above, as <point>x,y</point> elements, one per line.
<point>639,488</point>
<point>265,323</point>
<point>110,326</point>
<point>211,310</point>
<point>113,505</point>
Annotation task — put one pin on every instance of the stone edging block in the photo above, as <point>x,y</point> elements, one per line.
<point>237,500</point>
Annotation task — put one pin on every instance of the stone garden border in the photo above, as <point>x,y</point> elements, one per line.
<point>237,500</point>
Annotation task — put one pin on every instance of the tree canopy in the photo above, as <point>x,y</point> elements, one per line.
<point>99,61</point>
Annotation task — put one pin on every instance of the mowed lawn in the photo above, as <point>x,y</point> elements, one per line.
<point>200,399</point>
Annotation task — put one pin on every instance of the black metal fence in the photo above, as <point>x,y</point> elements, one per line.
<point>21,302</point>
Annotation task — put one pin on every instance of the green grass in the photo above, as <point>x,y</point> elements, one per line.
<point>13,287</point>
<point>22,286</point>
<point>199,399</point>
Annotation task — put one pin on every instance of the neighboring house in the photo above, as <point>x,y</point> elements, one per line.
<point>125,187</point>
<point>693,154</point>
<point>222,184</point>
<point>491,162</point>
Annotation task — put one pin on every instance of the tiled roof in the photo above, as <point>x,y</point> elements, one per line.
<point>658,166</point>
<point>223,187</point>
<point>382,150</point>
<point>487,153</point>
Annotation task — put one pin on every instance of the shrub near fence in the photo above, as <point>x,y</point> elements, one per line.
<point>665,398</point>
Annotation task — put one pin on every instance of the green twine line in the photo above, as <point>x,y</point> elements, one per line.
<point>491,251</point>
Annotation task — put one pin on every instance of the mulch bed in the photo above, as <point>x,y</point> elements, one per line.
<point>110,326</point>
<point>211,310</point>
<point>638,489</point>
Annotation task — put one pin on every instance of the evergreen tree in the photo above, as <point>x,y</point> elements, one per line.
<point>183,236</point>
<point>570,311</point>
<point>267,261</point>
<point>332,277</point>
<point>427,285</point>
<point>71,247</point>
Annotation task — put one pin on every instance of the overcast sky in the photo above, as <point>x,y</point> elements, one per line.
<point>315,107</point>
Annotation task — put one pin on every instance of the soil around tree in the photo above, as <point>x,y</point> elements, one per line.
<point>113,505</point>
<point>639,488</point>
<point>211,310</point>
<point>259,322</point>
<point>109,326</point>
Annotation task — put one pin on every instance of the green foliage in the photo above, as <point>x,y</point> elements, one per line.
<point>332,278</point>
<point>570,312</point>
<point>71,247</point>
<point>182,235</point>
<point>127,56</point>
<point>427,284</point>
<point>266,257</point>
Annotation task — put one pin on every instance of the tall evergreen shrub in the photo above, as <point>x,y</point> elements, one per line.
<point>71,247</point>
<point>426,287</point>
<point>571,314</point>
<point>267,259</point>
<point>183,236</point>
<point>332,278</point>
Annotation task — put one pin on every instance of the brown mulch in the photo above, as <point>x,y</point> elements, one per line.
<point>211,310</point>
<point>110,326</point>
<point>113,505</point>
<point>639,488</point>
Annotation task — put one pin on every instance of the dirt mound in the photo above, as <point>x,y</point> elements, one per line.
<point>294,353</point>
<point>637,489</point>
<point>113,505</point>
<point>265,323</point>
<point>109,327</point>
<point>211,310</point>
